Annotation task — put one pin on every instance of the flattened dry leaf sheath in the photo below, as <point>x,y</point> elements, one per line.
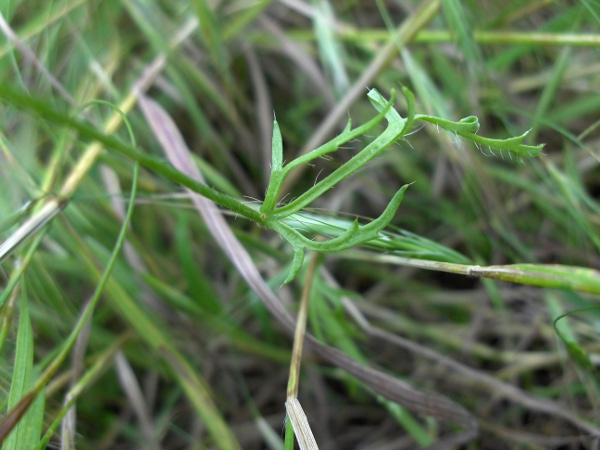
<point>31,226</point>
<point>302,430</point>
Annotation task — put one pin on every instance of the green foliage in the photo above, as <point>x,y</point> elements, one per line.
<point>271,215</point>
<point>27,433</point>
<point>436,203</point>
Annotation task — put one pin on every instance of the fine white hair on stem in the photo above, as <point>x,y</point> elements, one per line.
<point>416,130</point>
<point>317,177</point>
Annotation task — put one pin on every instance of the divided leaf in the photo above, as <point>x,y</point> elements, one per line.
<point>397,128</point>
<point>468,127</point>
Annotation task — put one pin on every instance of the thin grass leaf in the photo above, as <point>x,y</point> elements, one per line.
<point>593,7</point>
<point>54,205</point>
<point>234,26</point>
<point>155,334</point>
<point>134,393</point>
<point>145,160</point>
<point>220,324</point>
<point>198,284</point>
<point>579,355</point>
<point>58,360</point>
<point>102,363</point>
<point>574,198</point>
<point>6,314</point>
<point>551,276</point>
<point>326,310</point>
<point>194,386</point>
<point>460,26</point>
<point>14,217</point>
<point>551,88</point>
<point>330,50</point>
<point>409,423</point>
<point>17,274</point>
<point>209,28</point>
<point>429,95</point>
<point>30,227</point>
<point>27,432</point>
<point>51,369</point>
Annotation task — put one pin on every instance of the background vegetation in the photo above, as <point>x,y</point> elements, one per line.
<point>180,352</point>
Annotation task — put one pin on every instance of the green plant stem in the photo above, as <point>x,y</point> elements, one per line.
<point>350,34</point>
<point>299,333</point>
<point>147,161</point>
<point>553,276</point>
<point>293,382</point>
<point>101,364</point>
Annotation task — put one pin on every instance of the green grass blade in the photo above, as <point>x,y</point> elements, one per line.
<point>198,284</point>
<point>330,50</point>
<point>212,37</point>
<point>550,90</point>
<point>155,334</point>
<point>103,362</point>
<point>156,164</point>
<point>459,24</point>
<point>594,9</point>
<point>26,434</point>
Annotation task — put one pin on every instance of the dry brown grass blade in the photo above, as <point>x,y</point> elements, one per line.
<point>300,331</point>
<point>13,417</point>
<point>490,384</point>
<point>134,393</point>
<point>430,404</point>
<point>68,427</point>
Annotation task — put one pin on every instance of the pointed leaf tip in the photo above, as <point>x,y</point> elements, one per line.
<point>296,266</point>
